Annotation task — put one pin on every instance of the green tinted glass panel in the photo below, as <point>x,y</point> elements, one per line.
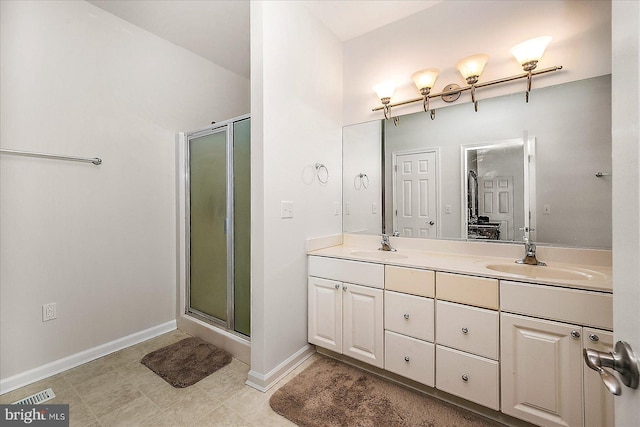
<point>208,209</point>
<point>242,224</point>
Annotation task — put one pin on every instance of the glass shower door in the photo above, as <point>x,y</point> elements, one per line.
<point>208,225</point>
<point>219,225</point>
<point>242,225</point>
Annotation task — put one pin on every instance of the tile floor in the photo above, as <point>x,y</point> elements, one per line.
<point>117,390</point>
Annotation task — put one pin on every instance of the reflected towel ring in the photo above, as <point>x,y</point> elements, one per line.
<point>363,184</point>
<point>320,166</point>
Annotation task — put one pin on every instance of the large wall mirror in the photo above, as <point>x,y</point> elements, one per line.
<point>544,165</point>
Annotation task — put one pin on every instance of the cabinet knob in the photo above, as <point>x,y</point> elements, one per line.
<point>337,286</point>
<point>594,337</point>
<point>465,377</point>
<point>406,316</point>
<point>575,334</point>
<point>406,358</point>
<point>465,331</point>
<point>344,287</point>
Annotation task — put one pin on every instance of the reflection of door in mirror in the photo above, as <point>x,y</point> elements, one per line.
<point>495,201</point>
<point>416,194</point>
<point>494,189</point>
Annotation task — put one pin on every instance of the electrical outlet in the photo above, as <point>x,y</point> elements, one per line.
<point>336,208</point>
<point>49,311</point>
<point>286,209</point>
<point>374,208</point>
<point>447,209</point>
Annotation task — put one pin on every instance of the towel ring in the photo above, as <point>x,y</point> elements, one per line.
<point>361,181</point>
<point>319,167</point>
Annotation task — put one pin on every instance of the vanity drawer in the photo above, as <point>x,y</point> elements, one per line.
<point>409,315</point>
<point>465,328</point>
<point>409,357</point>
<point>471,290</point>
<point>471,377</point>
<point>360,273</point>
<point>566,305</point>
<point>410,281</point>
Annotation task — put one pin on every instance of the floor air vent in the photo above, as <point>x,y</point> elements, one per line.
<point>38,398</point>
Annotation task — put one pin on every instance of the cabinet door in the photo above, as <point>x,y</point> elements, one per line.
<point>325,313</point>
<point>541,366</point>
<point>598,402</point>
<point>363,334</point>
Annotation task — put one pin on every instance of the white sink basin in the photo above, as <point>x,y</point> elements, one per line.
<point>545,272</point>
<point>381,255</point>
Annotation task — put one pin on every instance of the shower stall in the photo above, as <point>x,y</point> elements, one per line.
<point>215,217</point>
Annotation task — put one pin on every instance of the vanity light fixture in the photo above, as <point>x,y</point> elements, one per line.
<point>385,92</point>
<point>424,81</point>
<point>471,67</point>
<point>527,53</point>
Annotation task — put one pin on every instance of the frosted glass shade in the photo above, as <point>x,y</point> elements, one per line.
<point>530,50</point>
<point>472,66</point>
<point>384,90</point>
<point>424,79</point>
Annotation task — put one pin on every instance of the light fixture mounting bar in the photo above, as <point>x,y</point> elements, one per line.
<point>477,86</point>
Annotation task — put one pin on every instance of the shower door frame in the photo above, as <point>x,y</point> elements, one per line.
<point>226,126</point>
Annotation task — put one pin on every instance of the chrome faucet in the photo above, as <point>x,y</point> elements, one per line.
<point>529,253</point>
<point>385,244</point>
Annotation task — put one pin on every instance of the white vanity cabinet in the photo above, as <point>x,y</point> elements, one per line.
<point>345,311</point>
<point>409,323</point>
<point>467,334</point>
<point>542,330</point>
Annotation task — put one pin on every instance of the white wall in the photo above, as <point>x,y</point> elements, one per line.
<point>97,240</point>
<point>296,109</point>
<point>442,35</point>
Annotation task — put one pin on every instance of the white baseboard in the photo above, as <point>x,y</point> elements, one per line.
<point>263,382</point>
<point>41,372</point>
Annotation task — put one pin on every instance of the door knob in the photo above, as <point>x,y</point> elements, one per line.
<point>431,223</point>
<point>622,360</point>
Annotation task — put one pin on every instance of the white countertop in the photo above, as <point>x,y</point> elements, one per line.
<point>593,277</point>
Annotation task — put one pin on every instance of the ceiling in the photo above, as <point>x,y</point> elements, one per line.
<point>218,30</point>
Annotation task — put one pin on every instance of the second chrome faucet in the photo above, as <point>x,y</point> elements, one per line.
<point>385,245</point>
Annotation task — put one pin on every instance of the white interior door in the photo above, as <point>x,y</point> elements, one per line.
<point>626,191</point>
<point>495,200</point>
<point>416,196</point>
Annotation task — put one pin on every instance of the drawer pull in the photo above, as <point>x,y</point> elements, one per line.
<point>594,337</point>
<point>575,334</point>
<point>406,316</point>
<point>337,286</point>
<point>465,331</point>
<point>344,287</point>
<point>465,377</point>
<point>406,358</point>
